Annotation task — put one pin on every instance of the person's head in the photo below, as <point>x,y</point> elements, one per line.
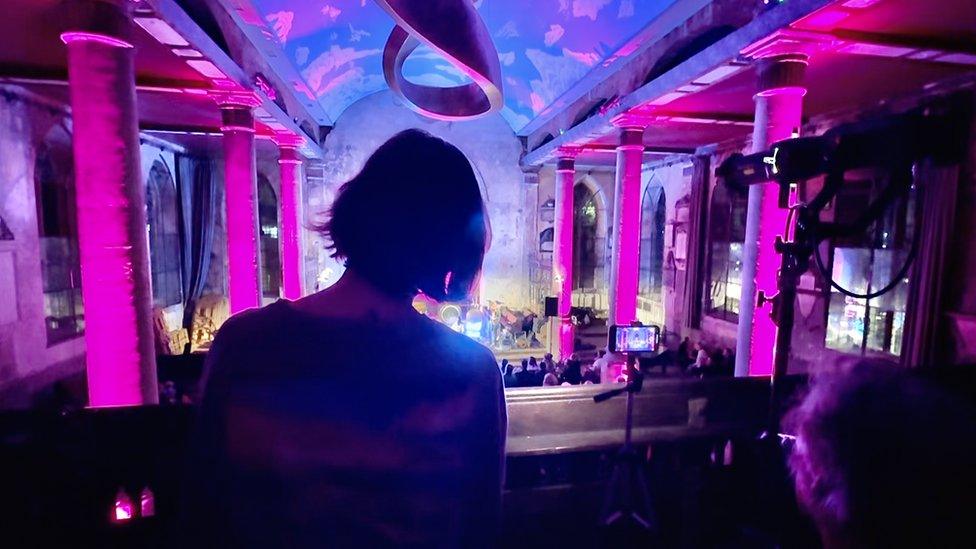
<point>884,458</point>
<point>601,353</point>
<point>504,362</point>
<point>532,361</point>
<point>509,369</point>
<point>525,363</point>
<point>382,226</point>
<point>548,357</point>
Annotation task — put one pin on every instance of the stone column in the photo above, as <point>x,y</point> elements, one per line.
<point>291,215</point>
<point>562,254</point>
<point>112,243</point>
<point>779,107</point>
<point>241,203</point>
<point>530,219</point>
<point>625,242</point>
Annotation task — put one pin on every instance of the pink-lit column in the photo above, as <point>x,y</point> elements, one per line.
<point>111,202</point>
<point>290,164</point>
<point>562,253</point>
<point>779,107</point>
<point>241,202</point>
<point>625,242</point>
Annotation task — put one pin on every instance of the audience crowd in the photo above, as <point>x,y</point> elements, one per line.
<point>691,359</point>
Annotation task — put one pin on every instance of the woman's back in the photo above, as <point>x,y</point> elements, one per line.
<point>319,431</point>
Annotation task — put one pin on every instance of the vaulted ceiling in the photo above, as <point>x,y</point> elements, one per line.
<point>545,47</point>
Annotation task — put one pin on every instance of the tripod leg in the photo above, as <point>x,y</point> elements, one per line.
<point>611,512</point>
<point>644,511</point>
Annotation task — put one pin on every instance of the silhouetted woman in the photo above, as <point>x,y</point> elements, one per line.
<point>300,444</point>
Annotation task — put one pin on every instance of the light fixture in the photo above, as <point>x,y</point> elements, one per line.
<point>717,74</point>
<point>161,31</point>
<point>186,52</point>
<point>206,68</point>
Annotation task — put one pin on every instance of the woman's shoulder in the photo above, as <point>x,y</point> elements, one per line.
<point>253,323</point>
<point>458,346</point>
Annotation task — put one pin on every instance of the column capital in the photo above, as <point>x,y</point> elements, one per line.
<point>631,138</point>
<point>782,74</point>
<point>106,22</point>
<point>566,164</point>
<point>530,174</point>
<point>289,155</point>
<point>236,117</point>
<point>633,120</point>
<point>287,140</point>
<point>240,99</point>
<point>569,151</point>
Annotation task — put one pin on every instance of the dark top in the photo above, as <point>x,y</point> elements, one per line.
<point>321,432</point>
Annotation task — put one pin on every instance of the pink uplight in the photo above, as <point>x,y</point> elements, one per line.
<point>244,284</point>
<point>122,508</point>
<point>625,265</point>
<point>111,223</point>
<point>562,256</point>
<point>782,108</point>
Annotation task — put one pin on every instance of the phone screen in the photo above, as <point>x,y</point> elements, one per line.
<point>634,339</point>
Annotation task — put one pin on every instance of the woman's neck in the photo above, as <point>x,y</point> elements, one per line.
<point>354,297</point>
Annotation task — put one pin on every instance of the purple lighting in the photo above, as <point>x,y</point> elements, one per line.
<point>111,229</point>
<point>241,202</point>
<point>290,165</point>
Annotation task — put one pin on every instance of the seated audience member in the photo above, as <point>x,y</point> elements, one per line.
<point>293,449</point>
<point>701,360</point>
<point>572,374</point>
<point>525,376</point>
<point>591,375</point>
<point>884,458</point>
<point>509,378</point>
<point>548,362</point>
<point>682,358</point>
<point>550,379</point>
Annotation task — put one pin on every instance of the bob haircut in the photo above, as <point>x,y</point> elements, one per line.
<point>412,220</point>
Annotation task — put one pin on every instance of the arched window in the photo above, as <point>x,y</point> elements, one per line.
<point>585,259</point>
<point>164,236</point>
<point>268,222</point>
<point>57,224</point>
<point>653,219</point>
<point>726,233</point>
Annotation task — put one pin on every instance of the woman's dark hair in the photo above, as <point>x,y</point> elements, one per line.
<point>412,219</point>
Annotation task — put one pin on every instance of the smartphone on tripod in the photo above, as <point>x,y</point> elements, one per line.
<point>633,339</point>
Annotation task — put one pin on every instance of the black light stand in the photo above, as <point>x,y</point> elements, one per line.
<point>937,132</point>
<point>628,498</point>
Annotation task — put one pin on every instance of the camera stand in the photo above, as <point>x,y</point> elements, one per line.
<point>628,500</point>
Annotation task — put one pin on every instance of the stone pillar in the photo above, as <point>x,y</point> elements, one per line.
<point>241,202</point>
<point>291,215</point>
<point>562,255</point>
<point>625,243</point>
<point>530,219</point>
<point>114,250</point>
<point>779,107</point>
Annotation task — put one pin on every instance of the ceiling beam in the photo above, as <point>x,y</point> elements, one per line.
<point>176,17</point>
<point>720,53</point>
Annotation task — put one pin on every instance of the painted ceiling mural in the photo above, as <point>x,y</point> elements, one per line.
<point>545,46</point>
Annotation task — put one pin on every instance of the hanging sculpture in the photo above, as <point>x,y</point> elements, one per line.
<point>454,29</point>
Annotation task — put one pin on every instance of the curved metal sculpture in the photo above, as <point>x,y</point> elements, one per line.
<point>453,29</point>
